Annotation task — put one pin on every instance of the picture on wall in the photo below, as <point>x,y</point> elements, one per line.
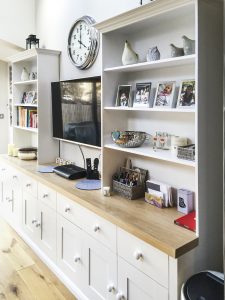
<point>142,95</point>
<point>123,95</point>
<point>164,94</point>
<point>186,96</point>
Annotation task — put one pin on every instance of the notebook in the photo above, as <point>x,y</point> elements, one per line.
<point>188,221</point>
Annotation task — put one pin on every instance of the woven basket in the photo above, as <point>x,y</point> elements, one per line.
<point>186,152</point>
<point>129,192</point>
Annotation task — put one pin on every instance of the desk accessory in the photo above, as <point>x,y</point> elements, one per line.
<point>70,171</point>
<point>159,193</point>
<point>92,173</point>
<point>185,201</point>
<point>45,169</point>
<point>188,221</point>
<point>89,184</point>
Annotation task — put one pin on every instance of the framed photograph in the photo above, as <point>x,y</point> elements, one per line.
<point>186,96</point>
<point>164,94</point>
<point>142,95</point>
<point>123,97</point>
<point>29,97</point>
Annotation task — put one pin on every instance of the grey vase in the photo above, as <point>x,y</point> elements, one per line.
<point>189,45</point>
<point>129,56</point>
<point>175,51</point>
<point>153,54</point>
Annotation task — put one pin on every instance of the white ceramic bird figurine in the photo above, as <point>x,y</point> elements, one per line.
<point>129,56</point>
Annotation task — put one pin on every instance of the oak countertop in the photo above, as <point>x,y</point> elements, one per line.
<point>151,224</point>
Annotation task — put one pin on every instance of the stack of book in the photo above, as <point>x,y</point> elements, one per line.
<point>27,117</point>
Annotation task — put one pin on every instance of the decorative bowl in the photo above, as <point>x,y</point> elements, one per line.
<point>129,139</point>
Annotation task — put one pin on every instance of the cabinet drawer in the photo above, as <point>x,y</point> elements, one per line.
<point>100,229</point>
<point>70,210</point>
<point>47,195</point>
<point>30,186</point>
<point>143,256</point>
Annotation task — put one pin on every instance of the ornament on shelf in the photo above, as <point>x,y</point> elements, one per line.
<point>129,56</point>
<point>32,42</point>
<point>153,54</point>
<point>189,45</point>
<point>175,51</point>
<point>24,75</point>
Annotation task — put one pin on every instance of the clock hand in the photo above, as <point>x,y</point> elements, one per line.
<point>82,44</point>
<point>80,39</point>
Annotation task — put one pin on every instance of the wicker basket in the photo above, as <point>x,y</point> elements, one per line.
<point>129,192</point>
<point>186,152</point>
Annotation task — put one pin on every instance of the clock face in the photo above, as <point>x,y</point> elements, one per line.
<point>83,43</point>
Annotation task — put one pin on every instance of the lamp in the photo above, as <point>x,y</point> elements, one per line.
<point>32,42</point>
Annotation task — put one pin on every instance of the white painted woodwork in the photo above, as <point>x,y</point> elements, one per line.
<point>133,284</point>
<point>30,186</point>
<point>102,270</point>
<point>46,63</point>
<point>144,257</point>
<point>47,195</point>
<point>29,216</point>
<point>71,251</point>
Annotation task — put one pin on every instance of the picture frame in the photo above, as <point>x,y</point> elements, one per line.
<point>123,97</point>
<point>186,97</point>
<point>164,94</point>
<point>29,97</point>
<point>142,95</point>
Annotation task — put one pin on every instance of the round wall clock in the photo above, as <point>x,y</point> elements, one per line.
<point>83,43</point>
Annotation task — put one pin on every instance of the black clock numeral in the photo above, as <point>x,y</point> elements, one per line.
<point>81,26</point>
<point>85,54</point>
<point>74,36</point>
<point>74,52</point>
<point>81,58</point>
<point>77,30</point>
<point>88,31</point>
<point>88,48</point>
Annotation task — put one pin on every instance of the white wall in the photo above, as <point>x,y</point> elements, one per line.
<point>3,107</point>
<point>53,22</point>
<point>17,20</point>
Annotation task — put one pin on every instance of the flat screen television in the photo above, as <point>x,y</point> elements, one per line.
<point>76,110</point>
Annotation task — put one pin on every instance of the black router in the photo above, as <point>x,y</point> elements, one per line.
<point>70,171</point>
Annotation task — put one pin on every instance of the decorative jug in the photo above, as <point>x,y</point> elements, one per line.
<point>189,45</point>
<point>153,54</point>
<point>175,51</point>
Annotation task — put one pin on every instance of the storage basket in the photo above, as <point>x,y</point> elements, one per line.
<point>186,152</point>
<point>129,192</point>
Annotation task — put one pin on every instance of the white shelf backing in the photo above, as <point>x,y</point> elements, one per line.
<point>26,82</point>
<point>150,109</point>
<point>25,105</point>
<point>147,151</point>
<point>27,128</point>
<point>158,64</point>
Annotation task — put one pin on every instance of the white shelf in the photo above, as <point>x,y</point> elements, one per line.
<point>35,130</point>
<point>150,109</point>
<point>25,82</point>
<point>163,63</point>
<point>147,151</point>
<point>25,105</point>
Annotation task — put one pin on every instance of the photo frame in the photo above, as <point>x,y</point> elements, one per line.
<point>123,97</point>
<point>164,94</point>
<point>29,97</point>
<point>142,95</point>
<point>186,97</point>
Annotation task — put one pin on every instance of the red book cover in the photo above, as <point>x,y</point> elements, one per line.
<point>188,221</point>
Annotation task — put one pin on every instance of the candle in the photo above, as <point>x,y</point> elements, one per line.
<point>15,151</point>
<point>10,149</point>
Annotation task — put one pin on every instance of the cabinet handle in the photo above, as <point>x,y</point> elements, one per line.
<point>120,296</point>
<point>38,224</point>
<point>67,209</point>
<point>111,288</point>
<point>96,228</point>
<point>138,255</point>
<point>15,176</point>
<point>45,196</point>
<point>28,184</point>
<point>3,169</point>
<point>76,259</point>
<point>34,221</point>
<point>9,200</point>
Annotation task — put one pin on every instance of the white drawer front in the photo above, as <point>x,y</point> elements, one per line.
<point>70,210</point>
<point>30,186</point>
<point>47,195</point>
<point>144,257</point>
<point>100,229</point>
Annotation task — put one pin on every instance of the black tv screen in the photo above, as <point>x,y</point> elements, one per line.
<point>76,110</point>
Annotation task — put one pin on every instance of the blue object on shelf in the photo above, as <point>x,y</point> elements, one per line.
<point>45,169</point>
<point>89,184</point>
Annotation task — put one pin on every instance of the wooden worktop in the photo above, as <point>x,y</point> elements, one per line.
<point>151,224</point>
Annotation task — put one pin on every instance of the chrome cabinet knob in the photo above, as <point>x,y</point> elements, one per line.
<point>96,228</point>
<point>76,259</point>
<point>138,255</point>
<point>10,200</point>
<point>111,288</point>
<point>15,176</point>
<point>45,196</point>
<point>120,296</point>
<point>34,221</point>
<point>67,209</point>
<point>38,224</point>
<point>28,184</point>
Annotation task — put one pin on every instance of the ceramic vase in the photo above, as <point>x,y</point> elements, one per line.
<point>153,54</point>
<point>24,75</point>
<point>189,45</point>
<point>129,56</point>
<point>175,51</point>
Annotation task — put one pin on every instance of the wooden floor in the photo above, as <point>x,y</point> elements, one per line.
<point>22,273</point>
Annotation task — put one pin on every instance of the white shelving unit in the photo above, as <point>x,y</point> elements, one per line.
<point>45,63</point>
<point>161,23</point>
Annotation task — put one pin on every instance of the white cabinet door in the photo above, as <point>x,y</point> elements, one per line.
<point>102,271</point>
<point>46,230</point>
<point>30,220</point>
<point>70,251</point>
<point>135,285</point>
